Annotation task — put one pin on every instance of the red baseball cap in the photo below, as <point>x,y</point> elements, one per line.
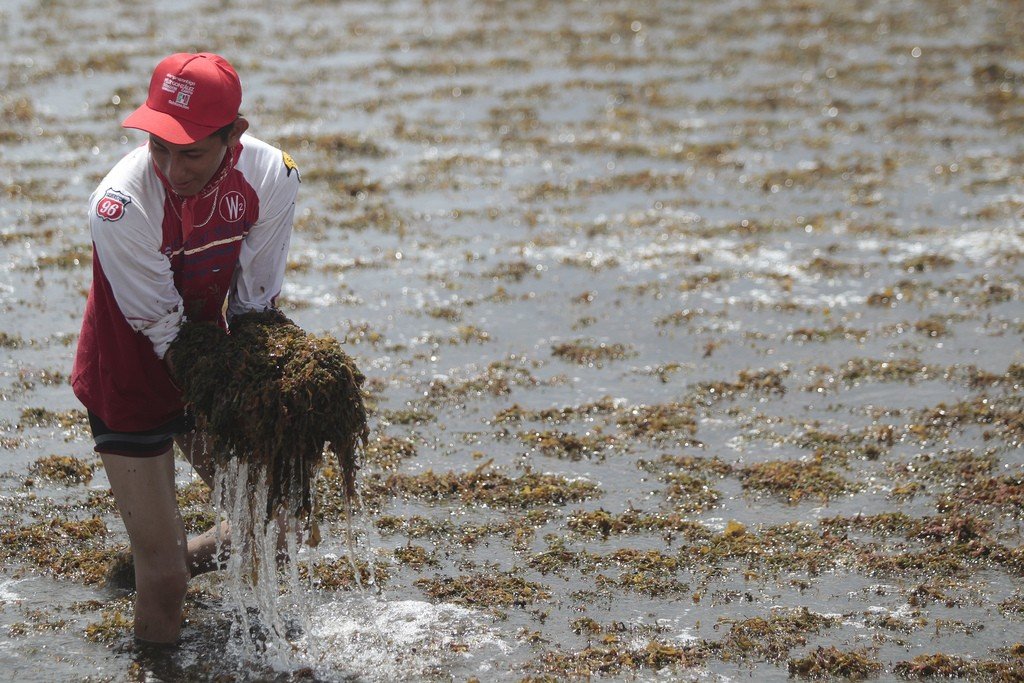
<point>190,97</point>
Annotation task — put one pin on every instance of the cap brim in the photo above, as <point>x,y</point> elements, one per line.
<point>166,127</point>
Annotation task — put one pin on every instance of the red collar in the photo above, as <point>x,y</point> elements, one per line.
<point>186,207</point>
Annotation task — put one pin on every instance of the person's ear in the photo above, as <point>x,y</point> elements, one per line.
<point>240,126</point>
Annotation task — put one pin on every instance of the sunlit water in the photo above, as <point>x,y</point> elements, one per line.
<point>719,187</point>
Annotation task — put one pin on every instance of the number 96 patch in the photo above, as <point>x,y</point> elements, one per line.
<point>112,205</point>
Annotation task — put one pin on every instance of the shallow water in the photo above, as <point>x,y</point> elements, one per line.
<point>798,226</point>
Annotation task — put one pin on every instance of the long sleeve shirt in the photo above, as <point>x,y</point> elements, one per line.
<point>159,259</point>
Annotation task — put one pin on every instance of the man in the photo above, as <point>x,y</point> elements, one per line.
<point>191,225</point>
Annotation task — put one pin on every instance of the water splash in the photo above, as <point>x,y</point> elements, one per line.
<point>270,603</point>
<point>399,640</point>
<point>279,622</point>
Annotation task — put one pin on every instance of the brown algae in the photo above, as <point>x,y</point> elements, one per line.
<point>62,468</point>
<point>273,396</point>
<point>831,662</point>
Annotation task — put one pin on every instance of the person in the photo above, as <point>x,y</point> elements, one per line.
<point>193,225</point>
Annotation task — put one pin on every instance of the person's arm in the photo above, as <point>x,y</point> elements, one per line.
<point>128,250</point>
<point>263,257</point>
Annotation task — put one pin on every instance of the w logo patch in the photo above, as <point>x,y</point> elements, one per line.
<point>232,206</point>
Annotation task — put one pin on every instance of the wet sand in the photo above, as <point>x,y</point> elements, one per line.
<point>693,334</point>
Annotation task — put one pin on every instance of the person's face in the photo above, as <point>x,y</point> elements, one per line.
<point>189,167</point>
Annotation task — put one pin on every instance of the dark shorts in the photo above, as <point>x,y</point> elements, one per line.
<point>147,444</point>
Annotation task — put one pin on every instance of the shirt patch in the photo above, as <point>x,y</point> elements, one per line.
<point>290,164</point>
<point>232,206</point>
<point>111,207</point>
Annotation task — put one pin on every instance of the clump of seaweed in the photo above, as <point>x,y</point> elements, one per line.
<point>897,370</point>
<point>113,625</point>
<point>73,257</point>
<point>869,444</point>
<point>935,561</point>
<point>1001,419</point>
<point>891,296</point>
<point>923,262</point>
<point>950,470</point>
<point>62,547</point>
<point>663,419</point>
<point>584,353</point>
<point>482,487</point>
<point>42,417</point>
<point>40,621</point>
<point>498,379</point>
<point>11,341</point>
<point>811,334</point>
<point>690,463</point>
<point>882,524</point>
<point>612,660</point>
<point>782,548</point>
<point>485,590</point>
<point>415,556</point>
<point>567,445</point>
<point>1013,605</point>
<point>605,523</point>
<point>831,662</point>
<point>558,558</point>
<point>772,637</point>
<point>415,526</point>
<point>341,144</point>
<point>1004,492</point>
<point>647,572</point>
<point>62,468</point>
<point>342,574</point>
<point>386,452</point>
<point>941,665</point>
<point>689,493</point>
<point>747,382</point>
<point>795,480</point>
<point>516,413</point>
<point>406,417</point>
<point>270,395</point>
<point>520,528</point>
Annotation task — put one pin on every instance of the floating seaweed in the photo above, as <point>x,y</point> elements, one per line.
<point>269,394</point>
<point>484,590</point>
<point>61,547</point>
<point>482,486</point>
<point>831,662</point>
<point>772,637</point>
<point>941,665</point>
<point>113,625</point>
<point>795,480</point>
<point>62,468</point>
<point>610,660</point>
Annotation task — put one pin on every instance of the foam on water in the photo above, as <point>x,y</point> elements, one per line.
<point>388,640</point>
<point>985,244</point>
<point>6,594</point>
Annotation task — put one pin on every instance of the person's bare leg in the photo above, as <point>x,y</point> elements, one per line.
<point>145,495</point>
<point>202,549</point>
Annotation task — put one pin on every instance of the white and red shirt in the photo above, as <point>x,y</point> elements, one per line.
<point>159,259</point>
